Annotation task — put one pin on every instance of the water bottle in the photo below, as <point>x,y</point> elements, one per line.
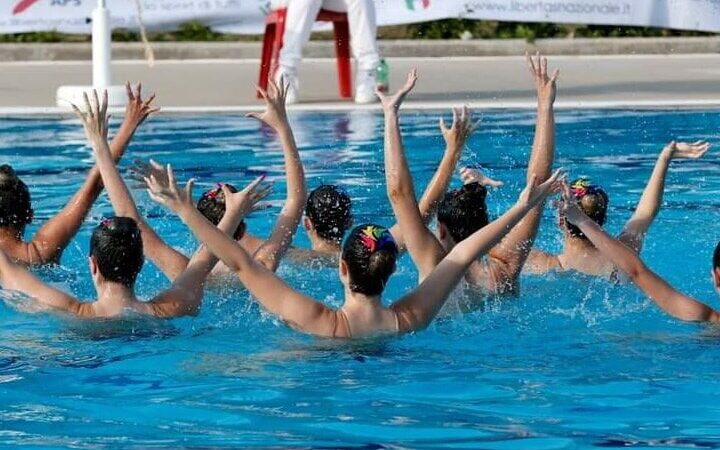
<point>382,79</point>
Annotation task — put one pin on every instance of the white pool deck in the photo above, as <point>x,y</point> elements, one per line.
<point>637,81</point>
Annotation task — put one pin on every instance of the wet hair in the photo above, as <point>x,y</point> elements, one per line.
<point>463,211</point>
<point>593,201</point>
<point>370,253</point>
<point>212,206</point>
<point>15,209</point>
<point>328,208</point>
<point>117,247</point>
<point>716,257</point>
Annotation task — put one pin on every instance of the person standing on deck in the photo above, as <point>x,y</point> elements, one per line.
<point>301,15</point>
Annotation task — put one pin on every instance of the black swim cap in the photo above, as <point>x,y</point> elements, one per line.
<point>15,207</point>
<point>117,247</point>
<point>328,208</point>
<point>464,211</point>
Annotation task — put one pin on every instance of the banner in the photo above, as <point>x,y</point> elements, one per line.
<point>246,16</point>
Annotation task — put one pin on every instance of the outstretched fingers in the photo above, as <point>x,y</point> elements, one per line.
<point>78,112</point>
<point>189,187</point>
<point>170,177</point>
<point>253,184</point>
<point>129,91</point>
<point>273,88</point>
<point>530,64</point>
<point>410,82</point>
<point>149,100</point>
<point>555,76</point>
<point>262,92</point>
<point>88,108</point>
<point>104,105</point>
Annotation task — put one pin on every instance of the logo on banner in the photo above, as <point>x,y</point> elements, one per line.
<point>23,5</point>
<point>411,4</point>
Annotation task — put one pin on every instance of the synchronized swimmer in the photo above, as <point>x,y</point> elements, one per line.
<point>488,256</point>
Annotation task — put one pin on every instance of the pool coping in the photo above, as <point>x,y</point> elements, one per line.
<point>388,47</point>
<point>423,106</point>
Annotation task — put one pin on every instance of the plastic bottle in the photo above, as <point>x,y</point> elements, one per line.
<point>383,76</point>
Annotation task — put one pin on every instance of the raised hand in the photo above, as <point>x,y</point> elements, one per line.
<point>94,118</point>
<point>535,193</point>
<point>569,208</point>
<point>469,175</point>
<point>248,199</point>
<point>461,129</point>
<point>391,103</point>
<point>684,150</point>
<point>137,109</point>
<point>275,114</point>
<point>545,85</point>
<point>141,170</point>
<point>164,190</point>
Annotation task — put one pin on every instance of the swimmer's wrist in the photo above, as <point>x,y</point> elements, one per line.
<point>184,209</point>
<point>666,155</point>
<point>545,106</point>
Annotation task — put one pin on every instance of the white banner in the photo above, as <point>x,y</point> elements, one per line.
<point>246,16</point>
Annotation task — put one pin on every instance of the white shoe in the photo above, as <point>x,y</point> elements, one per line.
<point>290,77</point>
<point>365,89</point>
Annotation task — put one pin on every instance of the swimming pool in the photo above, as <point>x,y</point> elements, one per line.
<point>573,363</point>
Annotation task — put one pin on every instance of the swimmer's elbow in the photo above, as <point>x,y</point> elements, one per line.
<point>396,191</point>
<point>635,271</point>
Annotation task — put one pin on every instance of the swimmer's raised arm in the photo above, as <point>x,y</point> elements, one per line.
<point>275,116</point>
<point>455,137</point>
<point>665,296</point>
<point>424,248</point>
<point>510,255</point>
<point>186,293</point>
<point>271,292</point>
<point>17,278</point>
<point>647,208</point>
<point>170,261</point>
<point>417,309</point>
<point>51,239</point>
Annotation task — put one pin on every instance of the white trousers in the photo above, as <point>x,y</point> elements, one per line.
<point>301,16</point>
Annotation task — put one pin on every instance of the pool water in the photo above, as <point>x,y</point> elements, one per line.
<point>574,362</point>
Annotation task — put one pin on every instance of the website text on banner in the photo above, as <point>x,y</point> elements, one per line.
<point>246,16</point>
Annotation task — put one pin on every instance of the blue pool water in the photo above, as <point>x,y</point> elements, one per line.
<point>573,363</point>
